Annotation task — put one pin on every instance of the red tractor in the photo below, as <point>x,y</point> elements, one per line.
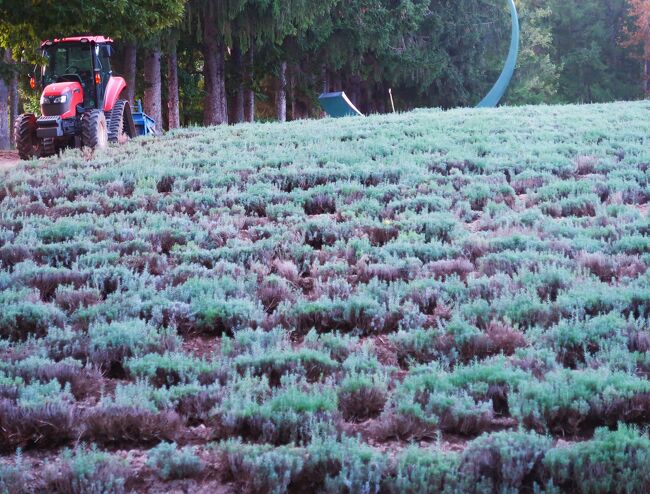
<point>82,103</point>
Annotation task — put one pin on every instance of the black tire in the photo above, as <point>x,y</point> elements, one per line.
<point>120,121</point>
<point>27,143</point>
<point>94,131</point>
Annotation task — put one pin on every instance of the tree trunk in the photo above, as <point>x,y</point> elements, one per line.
<point>222,96</point>
<point>381,99</point>
<point>281,94</point>
<point>5,138</point>
<point>292,93</point>
<point>13,95</point>
<point>172,88</point>
<point>239,93</point>
<point>153,85</point>
<point>355,90</point>
<point>213,73</point>
<point>14,99</point>
<point>249,93</point>
<point>326,79</point>
<point>130,68</point>
<point>210,111</point>
<point>370,108</point>
<point>337,83</point>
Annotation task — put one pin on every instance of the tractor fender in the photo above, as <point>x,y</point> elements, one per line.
<point>113,89</point>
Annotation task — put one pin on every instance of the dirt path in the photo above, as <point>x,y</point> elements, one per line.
<point>8,159</point>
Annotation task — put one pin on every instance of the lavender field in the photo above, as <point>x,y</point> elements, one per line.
<point>425,302</point>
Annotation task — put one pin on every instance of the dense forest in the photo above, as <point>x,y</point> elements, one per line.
<point>226,61</point>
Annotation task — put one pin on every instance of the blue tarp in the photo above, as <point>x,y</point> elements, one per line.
<point>338,105</point>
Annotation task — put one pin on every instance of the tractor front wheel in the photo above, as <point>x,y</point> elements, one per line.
<point>94,131</point>
<point>27,143</point>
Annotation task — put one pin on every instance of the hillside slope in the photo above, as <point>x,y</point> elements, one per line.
<point>329,292</point>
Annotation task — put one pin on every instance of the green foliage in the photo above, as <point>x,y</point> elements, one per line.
<point>276,363</point>
<point>362,396</point>
<point>421,470</point>
<point>263,468</point>
<point>592,68</point>
<point>116,341</point>
<point>613,461</point>
<point>280,416</point>
<point>598,395</point>
<point>13,477</point>
<point>23,27</point>
<point>141,395</point>
<point>40,395</point>
<point>86,470</point>
<point>428,396</point>
<point>217,306</point>
<point>64,229</point>
<point>170,462</point>
<point>502,462</point>
<point>173,368</point>
<point>536,79</point>
<point>23,315</point>
<point>573,340</point>
<point>339,346</point>
<point>334,466</point>
<point>417,345</point>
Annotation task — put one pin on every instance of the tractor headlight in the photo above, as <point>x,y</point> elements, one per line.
<point>54,99</point>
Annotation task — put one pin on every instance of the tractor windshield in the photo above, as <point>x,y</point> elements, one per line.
<point>69,62</point>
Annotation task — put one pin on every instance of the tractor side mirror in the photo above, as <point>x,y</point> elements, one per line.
<point>106,50</point>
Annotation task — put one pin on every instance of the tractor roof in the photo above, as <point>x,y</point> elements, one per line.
<point>77,39</point>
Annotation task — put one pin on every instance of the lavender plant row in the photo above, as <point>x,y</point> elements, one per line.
<point>316,293</point>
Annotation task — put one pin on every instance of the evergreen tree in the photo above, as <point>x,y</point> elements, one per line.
<point>639,35</point>
<point>594,67</point>
<point>537,76</point>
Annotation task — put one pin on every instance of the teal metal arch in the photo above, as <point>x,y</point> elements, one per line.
<point>338,105</point>
<point>498,90</point>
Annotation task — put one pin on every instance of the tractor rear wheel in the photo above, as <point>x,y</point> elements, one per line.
<point>94,131</point>
<point>120,122</point>
<point>27,143</point>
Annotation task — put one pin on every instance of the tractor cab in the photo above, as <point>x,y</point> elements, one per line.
<point>80,61</point>
<point>82,102</point>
